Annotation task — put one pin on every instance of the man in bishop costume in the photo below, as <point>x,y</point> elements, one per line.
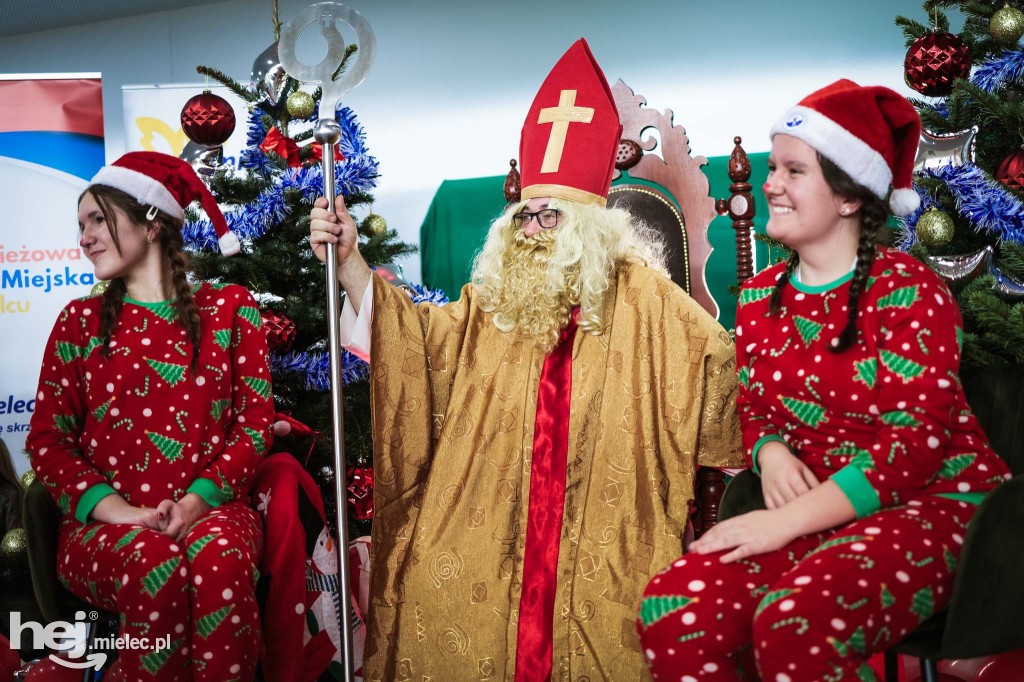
<point>535,442</point>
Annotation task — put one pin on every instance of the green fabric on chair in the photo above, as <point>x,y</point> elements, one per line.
<point>42,520</point>
<point>742,495</point>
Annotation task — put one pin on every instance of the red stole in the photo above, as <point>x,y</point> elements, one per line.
<point>544,518</point>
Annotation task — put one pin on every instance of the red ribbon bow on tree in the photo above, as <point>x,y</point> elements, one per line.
<point>287,149</point>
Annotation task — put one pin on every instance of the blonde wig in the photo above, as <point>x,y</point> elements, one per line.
<point>532,284</point>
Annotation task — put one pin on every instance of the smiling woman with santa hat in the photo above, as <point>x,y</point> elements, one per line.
<point>871,462</point>
<point>152,412</point>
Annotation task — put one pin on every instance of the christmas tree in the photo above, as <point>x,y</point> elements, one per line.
<point>970,168</point>
<point>266,203</point>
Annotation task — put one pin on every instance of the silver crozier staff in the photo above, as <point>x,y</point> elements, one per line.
<point>328,133</point>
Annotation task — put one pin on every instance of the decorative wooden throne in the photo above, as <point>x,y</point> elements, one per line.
<point>668,191</point>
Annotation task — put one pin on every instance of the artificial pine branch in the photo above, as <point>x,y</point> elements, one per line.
<point>912,30</point>
<point>229,82</point>
<point>1011,260</point>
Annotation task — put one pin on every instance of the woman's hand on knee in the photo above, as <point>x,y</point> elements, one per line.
<point>783,476</point>
<point>746,535</point>
<point>180,515</point>
<point>114,509</point>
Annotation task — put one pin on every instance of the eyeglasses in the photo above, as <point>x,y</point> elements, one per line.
<point>547,218</point>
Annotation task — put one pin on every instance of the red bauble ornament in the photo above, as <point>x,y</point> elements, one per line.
<point>10,659</point>
<point>360,491</point>
<point>208,119</point>
<point>934,61</point>
<point>279,329</point>
<point>1001,667</point>
<point>1011,170</point>
<point>48,671</point>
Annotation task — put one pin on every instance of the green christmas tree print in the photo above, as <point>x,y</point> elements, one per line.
<point>250,315</point>
<point>170,372</point>
<point>65,423</point>
<point>197,546</point>
<point>171,449</point>
<point>100,412</point>
<point>905,368</point>
<point>153,581</point>
<point>771,598</point>
<point>809,329</point>
<point>127,538</point>
<point>923,603</point>
<point>811,414</point>
<point>953,466</point>
<point>217,407</point>
<point>904,297</point>
<point>653,609</point>
<point>753,295</point>
<point>900,418</point>
<point>887,598</point>
<point>260,387</point>
<point>165,311</point>
<point>64,502</point>
<point>866,371</point>
<point>206,625</point>
<point>222,337</point>
<point>156,660</point>
<point>257,439</point>
<point>743,376</point>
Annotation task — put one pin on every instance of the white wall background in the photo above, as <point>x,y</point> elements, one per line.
<point>453,79</point>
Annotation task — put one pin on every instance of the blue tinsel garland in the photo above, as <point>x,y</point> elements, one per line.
<point>1000,70</point>
<point>357,173</point>
<point>979,199</point>
<point>317,366</point>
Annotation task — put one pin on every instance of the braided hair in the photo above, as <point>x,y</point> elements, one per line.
<point>874,214</point>
<point>172,250</point>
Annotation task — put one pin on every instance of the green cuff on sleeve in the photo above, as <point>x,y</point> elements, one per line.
<point>858,490</point>
<point>89,499</point>
<point>209,491</point>
<point>759,444</point>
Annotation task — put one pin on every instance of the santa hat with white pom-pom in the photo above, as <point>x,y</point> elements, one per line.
<point>169,184</point>
<point>871,133</point>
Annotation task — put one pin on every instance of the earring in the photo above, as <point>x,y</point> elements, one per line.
<point>149,238</point>
<point>844,211</point>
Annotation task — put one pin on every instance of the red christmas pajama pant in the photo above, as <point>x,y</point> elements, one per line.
<point>816,609</point>
<point>199,592</point>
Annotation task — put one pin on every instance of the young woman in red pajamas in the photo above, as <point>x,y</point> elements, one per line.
<point>153,410</point>
<point>870,459</point>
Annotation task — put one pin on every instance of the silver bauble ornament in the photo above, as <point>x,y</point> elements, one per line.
<point>1007,25</point>
<point>959,270</point>
<point>934,228</point>
<point>1007,286</point>
<point>204,160</point>
<point>300,104</point>
<point>268,76</point>
<point>941,149</point>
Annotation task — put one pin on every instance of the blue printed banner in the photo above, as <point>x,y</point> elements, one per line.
<point>51,144</point>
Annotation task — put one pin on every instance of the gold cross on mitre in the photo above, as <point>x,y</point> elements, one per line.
<point>561,116</point>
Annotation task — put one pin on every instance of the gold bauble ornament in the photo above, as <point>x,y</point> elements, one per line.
<point>27,478</point>
<point>99,288</point>
<point>1007,25</point>
<point>375,223</point>
<point>934,228</point>
<point>300,104</point>
<point>14,542</point>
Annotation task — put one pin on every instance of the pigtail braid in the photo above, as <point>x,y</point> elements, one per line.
<point>776,299</point>
<point>172,245</point>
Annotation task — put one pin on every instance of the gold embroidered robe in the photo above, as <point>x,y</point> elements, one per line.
<point>454,401</point>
